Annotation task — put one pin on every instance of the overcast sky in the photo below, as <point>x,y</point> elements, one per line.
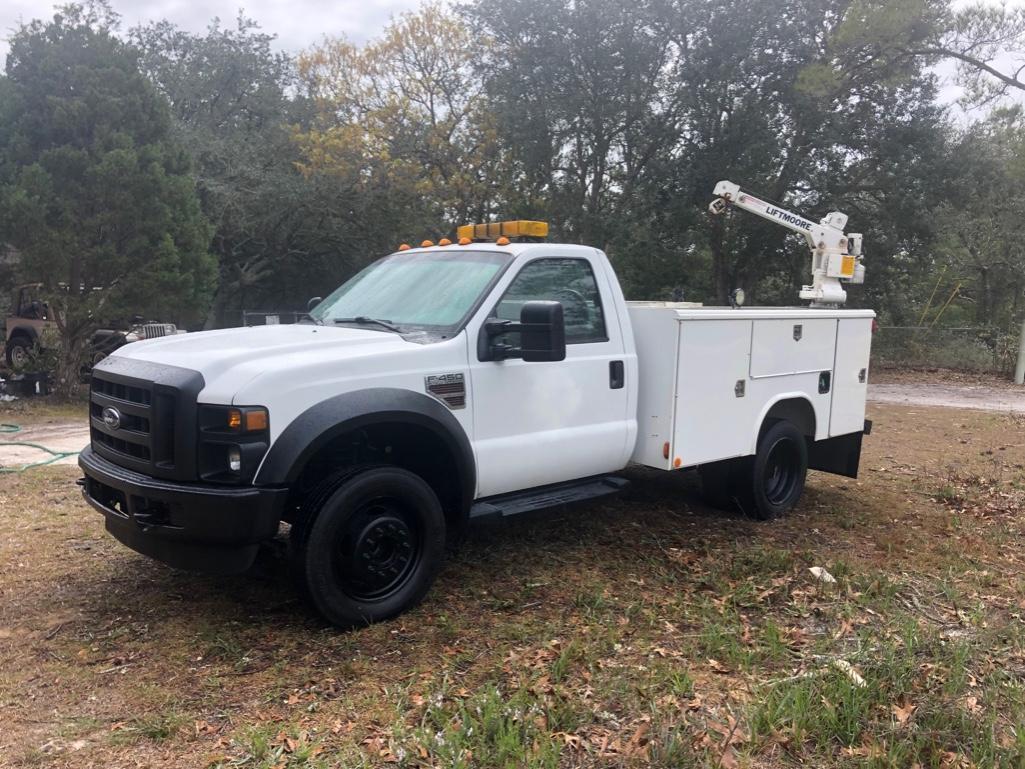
<point>297,23</point>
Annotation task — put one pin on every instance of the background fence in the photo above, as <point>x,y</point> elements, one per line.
<point>980,349</point>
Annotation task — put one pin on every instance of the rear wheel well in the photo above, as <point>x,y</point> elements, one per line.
<point>797,411</point>
<point>412,447</point>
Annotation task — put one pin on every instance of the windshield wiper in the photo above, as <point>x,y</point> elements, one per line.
<point>363,320</point>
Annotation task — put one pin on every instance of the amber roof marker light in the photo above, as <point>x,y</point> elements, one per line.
<point>519,229</point>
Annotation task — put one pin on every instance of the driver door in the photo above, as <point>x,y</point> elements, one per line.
<point>540,423</point>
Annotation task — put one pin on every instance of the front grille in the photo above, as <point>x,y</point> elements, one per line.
<point>127,433</point>
<point>142,416</point>
<point>156,330</point>
<point>123,392</point>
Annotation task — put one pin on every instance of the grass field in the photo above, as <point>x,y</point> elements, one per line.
<point>647,630</point>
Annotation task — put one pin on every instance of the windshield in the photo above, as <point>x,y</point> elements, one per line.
<point>433,291</point>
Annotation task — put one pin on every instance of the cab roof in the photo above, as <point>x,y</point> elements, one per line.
<point>514,249</point>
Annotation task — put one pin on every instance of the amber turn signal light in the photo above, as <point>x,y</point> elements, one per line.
<point>249,420</point>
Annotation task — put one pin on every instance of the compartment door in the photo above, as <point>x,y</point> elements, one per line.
<point>784,346</point>
<point>713,408</point>
<point>850,376</point>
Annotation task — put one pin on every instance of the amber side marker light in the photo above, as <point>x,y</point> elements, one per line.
<point>256,420</point>
<point>677,462</point>
<point>234,419</point>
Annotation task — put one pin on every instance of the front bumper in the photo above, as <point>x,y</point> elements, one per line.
<point>199,527</point>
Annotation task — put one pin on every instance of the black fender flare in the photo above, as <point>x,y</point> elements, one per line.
<point>27,331</point>
<point>319,424</point>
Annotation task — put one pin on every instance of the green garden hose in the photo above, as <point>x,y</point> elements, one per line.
<point>55,456</point>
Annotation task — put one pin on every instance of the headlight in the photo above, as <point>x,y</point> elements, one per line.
<point>232,442</point>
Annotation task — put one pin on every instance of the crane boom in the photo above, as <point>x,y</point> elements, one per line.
<point>836,256</point>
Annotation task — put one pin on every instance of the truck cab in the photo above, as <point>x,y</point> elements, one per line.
<point>441,383</point>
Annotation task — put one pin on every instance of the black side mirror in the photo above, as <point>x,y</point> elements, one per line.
<point>542,332</point>
<point>313,303</point>
<point>542,335</point>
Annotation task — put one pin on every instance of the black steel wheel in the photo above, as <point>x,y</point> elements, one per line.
<point>367,545</point>
<point>778,472</point>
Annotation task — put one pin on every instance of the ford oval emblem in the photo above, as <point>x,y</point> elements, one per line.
<point>111,417</point>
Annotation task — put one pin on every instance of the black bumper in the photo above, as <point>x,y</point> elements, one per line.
<point>213,529</point>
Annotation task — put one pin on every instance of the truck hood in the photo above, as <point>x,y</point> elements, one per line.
<point>230,358</point>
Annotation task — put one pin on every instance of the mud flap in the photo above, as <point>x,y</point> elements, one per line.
<point>840,455</point>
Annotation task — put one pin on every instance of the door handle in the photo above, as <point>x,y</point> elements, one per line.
<point>617,375</point>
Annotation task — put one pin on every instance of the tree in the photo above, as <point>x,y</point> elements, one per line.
<point>889,39</point>
<point>979,224</point>
<point>98,198</point>
<point>405,118</point>
<point>227,93</point>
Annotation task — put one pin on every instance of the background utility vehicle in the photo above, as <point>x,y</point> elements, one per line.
<point>486,377</point>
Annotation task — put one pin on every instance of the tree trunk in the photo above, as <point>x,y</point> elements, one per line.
<point>68,368</point>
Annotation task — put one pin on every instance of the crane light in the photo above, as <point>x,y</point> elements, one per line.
<point>494,230</point>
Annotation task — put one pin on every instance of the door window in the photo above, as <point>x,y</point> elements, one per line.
<point>568,281</point>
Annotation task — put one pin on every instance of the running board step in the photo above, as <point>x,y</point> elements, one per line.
<point>547,496</point>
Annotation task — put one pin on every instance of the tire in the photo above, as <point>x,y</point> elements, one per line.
<point>19,351</point>
<point>777,472</point>
<point>367,545</point>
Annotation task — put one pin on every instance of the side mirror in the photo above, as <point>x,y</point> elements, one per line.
<point>542,333</point>
<point>313,303</point>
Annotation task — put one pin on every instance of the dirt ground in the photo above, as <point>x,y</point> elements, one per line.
<point>648,630</point>
<point>947,389</point>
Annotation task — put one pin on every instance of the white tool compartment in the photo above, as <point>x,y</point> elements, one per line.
<point>708,376</point>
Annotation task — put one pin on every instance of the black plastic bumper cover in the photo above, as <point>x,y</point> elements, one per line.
<point>199,527</point>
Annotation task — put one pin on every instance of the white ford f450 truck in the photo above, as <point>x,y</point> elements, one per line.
<point>487,377</point>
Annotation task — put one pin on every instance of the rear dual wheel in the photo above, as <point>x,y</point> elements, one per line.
<point>764,486</point>
<point>368,545</point>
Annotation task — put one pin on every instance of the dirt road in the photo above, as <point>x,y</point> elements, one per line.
<point>62,436</point>
<point>948,395</point>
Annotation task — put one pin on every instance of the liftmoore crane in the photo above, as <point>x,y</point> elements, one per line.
<point>835,256</point>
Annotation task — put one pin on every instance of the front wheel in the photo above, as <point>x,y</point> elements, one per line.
<point>368,546</point>
<point>19,352</point>
<point>777,472</point>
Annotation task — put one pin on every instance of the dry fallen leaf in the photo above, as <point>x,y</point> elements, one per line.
<point>903,712</point>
